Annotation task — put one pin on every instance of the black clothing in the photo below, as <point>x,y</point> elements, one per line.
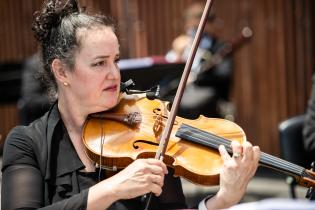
<point>33,102</point>
<point>309,127</point>
<point>41,170</point>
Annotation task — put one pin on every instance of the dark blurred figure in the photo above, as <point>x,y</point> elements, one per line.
<point>309,127</point>
<point>208,84</point>
<point>309,131</point>
<point>34,101</point>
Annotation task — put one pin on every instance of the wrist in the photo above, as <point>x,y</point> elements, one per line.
<point>224,199</point>
<point>202,204</point>
<point>219,201</point>
<point>102,195</point>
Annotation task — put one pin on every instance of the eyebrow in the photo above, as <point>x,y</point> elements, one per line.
<point>102,56</point>
<point>106,56</point>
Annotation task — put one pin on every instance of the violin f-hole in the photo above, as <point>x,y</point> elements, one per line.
<point>135,146</point>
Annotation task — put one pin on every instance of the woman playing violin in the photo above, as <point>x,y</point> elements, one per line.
<point>45,165</point>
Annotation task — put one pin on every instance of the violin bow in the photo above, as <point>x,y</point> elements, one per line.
<point>180,90</point>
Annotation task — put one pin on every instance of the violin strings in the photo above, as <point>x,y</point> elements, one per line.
<point>204,137</point>
<point>266,158</point>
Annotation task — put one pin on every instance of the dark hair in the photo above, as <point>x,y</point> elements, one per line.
<point>55,27</point>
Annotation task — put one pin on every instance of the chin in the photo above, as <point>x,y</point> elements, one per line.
<point>107,102</point>
<point>110,103</point>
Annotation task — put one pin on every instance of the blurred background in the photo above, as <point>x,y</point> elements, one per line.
<point>271,78</point>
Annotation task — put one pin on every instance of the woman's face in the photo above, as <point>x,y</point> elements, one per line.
<point>95,80</point>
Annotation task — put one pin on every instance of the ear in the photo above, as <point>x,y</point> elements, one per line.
<point>59,71</point>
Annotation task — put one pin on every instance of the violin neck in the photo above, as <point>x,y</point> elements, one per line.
<point>210,140</point>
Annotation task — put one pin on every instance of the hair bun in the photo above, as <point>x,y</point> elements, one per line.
<point>51,15</point>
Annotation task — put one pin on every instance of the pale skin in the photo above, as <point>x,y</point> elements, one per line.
<point>235,174</point>
<point>93,86</point>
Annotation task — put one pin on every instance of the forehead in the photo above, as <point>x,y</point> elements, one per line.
<point>98,39</point>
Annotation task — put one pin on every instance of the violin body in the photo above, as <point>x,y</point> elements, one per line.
<point>135,129</point>
<point>114,144</point>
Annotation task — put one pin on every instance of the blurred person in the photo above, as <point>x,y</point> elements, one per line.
<point>208,85</point>
<point>309,125</point>
<point>309,131</point>
<point>45,165</point>
<point>34,101</point>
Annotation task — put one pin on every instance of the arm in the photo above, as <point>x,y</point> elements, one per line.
<point>22,188</point>
<point>22,180</point>
<point>139,178</point>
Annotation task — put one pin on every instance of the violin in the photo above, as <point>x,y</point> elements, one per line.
<point>142,128</point>
<point>133,130</point>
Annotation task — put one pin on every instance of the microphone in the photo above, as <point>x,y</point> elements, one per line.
<point>153,93</point>
<point>125,85</point>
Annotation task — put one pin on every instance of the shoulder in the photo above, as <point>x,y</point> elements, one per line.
<point>24,144</point>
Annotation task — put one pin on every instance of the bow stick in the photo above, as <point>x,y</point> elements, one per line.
<point>179,93</point>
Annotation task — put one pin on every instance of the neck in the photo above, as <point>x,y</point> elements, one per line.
<point>72,116</point>
<point>73,119</point>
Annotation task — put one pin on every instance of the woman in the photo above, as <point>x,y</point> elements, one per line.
<point>45,165</point>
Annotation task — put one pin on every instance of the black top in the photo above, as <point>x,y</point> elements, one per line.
<point>42,169</point>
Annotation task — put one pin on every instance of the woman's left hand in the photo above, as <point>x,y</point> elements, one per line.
<point>235,173</point>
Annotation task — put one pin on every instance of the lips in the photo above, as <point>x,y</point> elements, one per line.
<point>111,88</point>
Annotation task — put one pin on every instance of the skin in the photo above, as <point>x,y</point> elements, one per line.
<point>235,174</point>
<point>93,86</point>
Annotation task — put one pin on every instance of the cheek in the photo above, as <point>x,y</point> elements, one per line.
<point>86,83</point>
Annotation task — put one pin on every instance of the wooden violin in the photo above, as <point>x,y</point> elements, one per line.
<point>139,128</point>
<point>133,129</point>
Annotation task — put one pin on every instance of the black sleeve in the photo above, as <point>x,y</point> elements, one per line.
<point>309,127</point>
<point>22,188</point>
<point>23,182</point>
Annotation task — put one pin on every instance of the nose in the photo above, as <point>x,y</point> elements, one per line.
<point>114,72</point>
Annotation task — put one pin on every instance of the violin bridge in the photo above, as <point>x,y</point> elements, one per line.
<point>158,126</point>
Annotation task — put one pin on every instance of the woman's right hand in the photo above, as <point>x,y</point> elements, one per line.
<point>139,178</point>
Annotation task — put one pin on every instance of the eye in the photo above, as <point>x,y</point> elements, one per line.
<point>99,63</point>
<point>117,60</point>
